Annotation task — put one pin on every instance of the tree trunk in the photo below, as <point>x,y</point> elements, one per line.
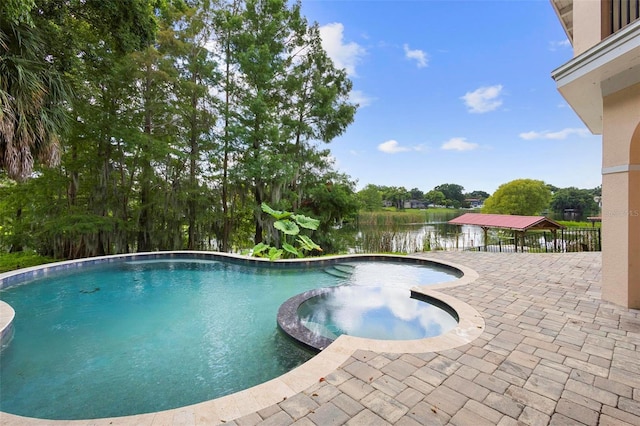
<point>144,221</point>
<point>17,244</point>
<point>193,157</point>
<point>257,239</point>
<point>226,218</point>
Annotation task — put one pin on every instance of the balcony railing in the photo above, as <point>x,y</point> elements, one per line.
<point>622,13</point>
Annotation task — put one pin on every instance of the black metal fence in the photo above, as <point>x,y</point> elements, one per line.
<point>564,240</point>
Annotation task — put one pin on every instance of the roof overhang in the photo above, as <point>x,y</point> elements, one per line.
<point>564,10</point>
<point>506,221</point>
<point>606,68</point>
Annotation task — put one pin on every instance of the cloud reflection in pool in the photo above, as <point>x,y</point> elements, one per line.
<point>384,313</point>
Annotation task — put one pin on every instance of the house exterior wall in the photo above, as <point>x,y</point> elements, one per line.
<point>602,84</point>
<point>621,197</point>
<point>587,25</point>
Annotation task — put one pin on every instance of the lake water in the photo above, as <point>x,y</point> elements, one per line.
<point>435,233</point>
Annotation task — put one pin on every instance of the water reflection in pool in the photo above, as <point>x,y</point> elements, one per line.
<point>383,313</point>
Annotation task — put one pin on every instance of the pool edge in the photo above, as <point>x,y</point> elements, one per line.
<point>7,314</point>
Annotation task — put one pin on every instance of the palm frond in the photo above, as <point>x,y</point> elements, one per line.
<point>32,103</point>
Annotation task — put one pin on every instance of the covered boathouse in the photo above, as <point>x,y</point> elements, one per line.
<point>518,224</point>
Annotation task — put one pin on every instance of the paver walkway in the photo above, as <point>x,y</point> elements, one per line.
<point>552,353</point>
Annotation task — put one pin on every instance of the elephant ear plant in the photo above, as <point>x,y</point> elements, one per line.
<point>289,225</point>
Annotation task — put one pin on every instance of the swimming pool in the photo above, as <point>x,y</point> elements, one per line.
<point>146,333</point>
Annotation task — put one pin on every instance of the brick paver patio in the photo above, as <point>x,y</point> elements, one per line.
<point>552,353</point>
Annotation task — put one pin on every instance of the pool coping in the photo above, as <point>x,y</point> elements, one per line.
<point>470,326</point>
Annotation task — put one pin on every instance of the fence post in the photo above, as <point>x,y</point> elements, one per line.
<point>546,247</point>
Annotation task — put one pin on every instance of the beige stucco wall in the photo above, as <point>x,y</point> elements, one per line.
<point>633,237</point>
<point>587,25</point>
<point>621,197</point>
<point>621,114</point>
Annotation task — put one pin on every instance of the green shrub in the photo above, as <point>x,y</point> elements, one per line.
<point>23,259</point>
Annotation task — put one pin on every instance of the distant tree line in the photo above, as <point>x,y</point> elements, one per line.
<point>573,201</point>
<point>374,197</point>
<point>520,196</point>
<point>534,197</point>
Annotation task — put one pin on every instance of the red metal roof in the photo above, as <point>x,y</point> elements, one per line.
<point>508,221</point>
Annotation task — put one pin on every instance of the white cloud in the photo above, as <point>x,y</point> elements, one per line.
<point>483,99</point>
<point>459,144</point>
<point>393,147</point>
<point>360,98</point>
<point>419,55</point>
<point>343,55</point>
<point>559,135</point>
<point>557,45</point>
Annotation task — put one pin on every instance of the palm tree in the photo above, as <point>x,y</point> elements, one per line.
<point>32,101</point>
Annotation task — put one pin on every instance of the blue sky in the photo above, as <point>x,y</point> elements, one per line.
<point>455,92</point>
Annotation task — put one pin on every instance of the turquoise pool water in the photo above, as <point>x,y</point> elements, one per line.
<point>136,337</point>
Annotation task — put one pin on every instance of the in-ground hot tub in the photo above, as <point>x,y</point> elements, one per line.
<point>317,317</point>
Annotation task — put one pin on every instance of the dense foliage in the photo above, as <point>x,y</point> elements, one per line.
<point>167,124</point>
<point>580,202</point>
<point>41,45</point>
<point>519,197</point>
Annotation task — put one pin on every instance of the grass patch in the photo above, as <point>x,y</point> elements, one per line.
<point>390,218</point>
<point>23,259</point>
<point>574,224</point>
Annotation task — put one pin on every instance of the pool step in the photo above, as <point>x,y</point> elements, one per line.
<point>347,268</point>
<point>329,331</point>
<point>340,270</point>
<point>336,273</point>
